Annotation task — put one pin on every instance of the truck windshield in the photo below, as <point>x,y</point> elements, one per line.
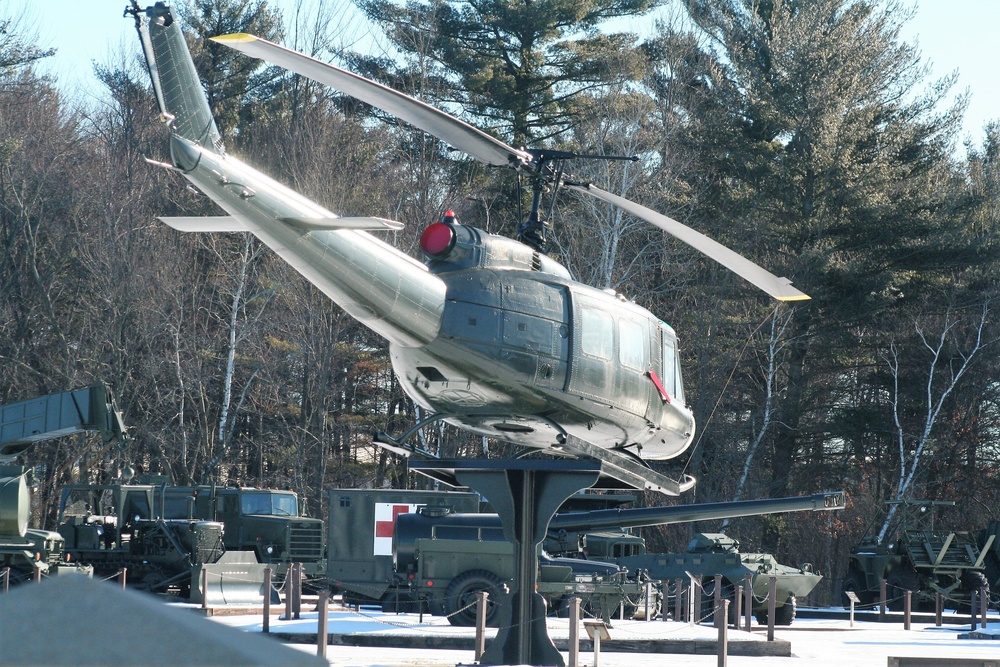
<point>283,504</point>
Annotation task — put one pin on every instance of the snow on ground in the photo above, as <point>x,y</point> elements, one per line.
<point>814,642</point>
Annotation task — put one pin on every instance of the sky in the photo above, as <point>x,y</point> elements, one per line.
<point>953,35</point>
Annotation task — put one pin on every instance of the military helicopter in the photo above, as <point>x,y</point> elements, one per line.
<point>488,333</point>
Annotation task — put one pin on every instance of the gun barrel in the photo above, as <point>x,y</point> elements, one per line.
<point>654,516</point>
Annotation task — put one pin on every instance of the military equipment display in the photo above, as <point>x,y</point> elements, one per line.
<point>265,522</point>
<point>919,559</point>
<point>28,552</point>
<point>488,334</point>
<point>989,543</point>
<point>374,559</point>
<point>122,526</point>
<point>432,550</point>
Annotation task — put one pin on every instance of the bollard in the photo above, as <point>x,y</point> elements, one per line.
<point>266,626</point>
<point>737,605</point>
<point>321,624</point>
<point>6,580</point>
<point>907,598</point>
<point>694,599</point>
<point>649,596</point>
<point>984,602</point>
<point>482,600</point>
<point>296,590</point>
<point>882,606</point>
<point>748,609</point>
<point>772,593</point>
<point>665,602</point>
<point>37,575</point>
<point>574,632</point>
<point>722,614</point>
<point>678,599</point>
<point>717,598</point>
<point>973,608</point>
<point>938,608</point>
<point>204,588</point>
<point>289,598</point>
<point>123,577</point>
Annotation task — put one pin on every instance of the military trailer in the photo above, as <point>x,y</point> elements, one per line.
<point>920,559</point>
<point>28,552</point>
<point>371,560</point>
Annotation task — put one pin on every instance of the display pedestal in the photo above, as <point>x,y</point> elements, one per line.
<point>526,493</point>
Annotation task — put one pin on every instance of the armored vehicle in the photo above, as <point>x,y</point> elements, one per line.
<point>710,554</point>
<point>919,559</point>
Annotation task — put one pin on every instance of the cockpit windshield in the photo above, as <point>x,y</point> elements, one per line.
<point>270,502</point>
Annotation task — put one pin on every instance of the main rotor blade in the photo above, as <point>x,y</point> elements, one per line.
<point>779,288</point>
<point>444,126</point>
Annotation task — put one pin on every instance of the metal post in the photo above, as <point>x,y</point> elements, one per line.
<point>882,606</point>
<point>973,608</point>
<point>296,590</point>
<point>678,599</point>
<point>289,597</point>
<point>984,600</point>
<point>6,580</point>
<point>737,605</point>
<point>123,577</point>
<point>267,601</point>
<point>717,598</point>
<point>722,614</point>
<point>204,588</point>
<point>938,608</point>
<point>665,602</point>
<point>772,593</point>
<point>574,632</point>
<point>321,625</point>
<point>482,600</point>
<point>748,609</point>
<point>694,600</point>
<point>907,598</point>
<point>649,595</point>
<point>597,649</point>
<point>37,575</point>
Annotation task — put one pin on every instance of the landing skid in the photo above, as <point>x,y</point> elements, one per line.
<point>617,470</point>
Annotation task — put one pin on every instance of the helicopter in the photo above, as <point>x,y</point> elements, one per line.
<point>488,333</point>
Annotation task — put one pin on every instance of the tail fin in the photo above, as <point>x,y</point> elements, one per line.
<point>175,81</point>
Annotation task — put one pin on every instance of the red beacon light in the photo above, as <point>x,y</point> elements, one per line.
<point>439,238</point>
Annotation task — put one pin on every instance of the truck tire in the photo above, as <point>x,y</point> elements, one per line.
<point>897,582</point>
<point>783,615</point>
<point>973,580</point>
<point>460,598</point>
<point>856,583</point>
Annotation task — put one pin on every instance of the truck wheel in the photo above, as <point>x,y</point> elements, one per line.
<point>460,598</point>
<point>783,615</point>
<point>973,580</point>
<point>897,582</point>
<point>855,582</point>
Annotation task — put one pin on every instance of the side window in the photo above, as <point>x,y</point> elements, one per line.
<point>596,333</point>
<point>670,367</point>
<point>632,350</point>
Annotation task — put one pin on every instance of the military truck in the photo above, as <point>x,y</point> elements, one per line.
<point>370,561</point>
<point>122,526</point>
<point>266,522</point>
<point>919,559</point>
<point>28,552</point>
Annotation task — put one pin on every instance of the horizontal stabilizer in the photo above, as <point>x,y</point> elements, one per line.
<point>318,224</point>
<point>205,223</point>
